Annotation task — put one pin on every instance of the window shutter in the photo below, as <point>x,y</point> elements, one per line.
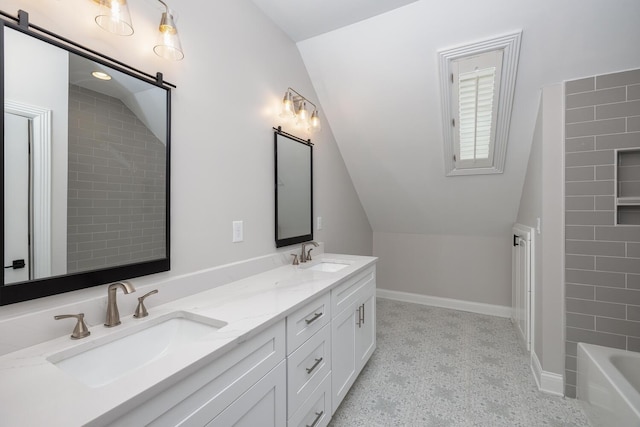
<point>475,91</point>
<point>475,112</point>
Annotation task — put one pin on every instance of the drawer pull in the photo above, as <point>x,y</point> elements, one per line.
<point>315,422</point>
<point>315,317</point>
<point>315,365</point>
<point>360,311</point>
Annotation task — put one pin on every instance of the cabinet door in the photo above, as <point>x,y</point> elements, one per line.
<point>262,405</point>
<point>366,329</point>
<point>344,367</point>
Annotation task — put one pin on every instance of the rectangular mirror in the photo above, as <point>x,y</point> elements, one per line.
<point>85,171</point>
<point>293,189</point>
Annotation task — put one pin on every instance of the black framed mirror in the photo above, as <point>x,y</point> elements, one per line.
<point>86,166</point>
<point>293,189</point>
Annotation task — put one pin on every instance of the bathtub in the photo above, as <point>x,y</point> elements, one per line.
<point>608,385</point>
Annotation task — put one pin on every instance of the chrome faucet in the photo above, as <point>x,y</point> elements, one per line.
<point>113,316</point>
<point>304,257</point>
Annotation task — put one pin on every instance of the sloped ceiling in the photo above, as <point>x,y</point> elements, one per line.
<point>377,83</point>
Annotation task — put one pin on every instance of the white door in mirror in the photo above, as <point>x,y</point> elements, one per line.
<point>16,198</point>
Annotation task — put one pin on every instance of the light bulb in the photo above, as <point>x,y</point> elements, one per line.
<point>288,110</point>
<point>314,122</point>
<point>303,114</point>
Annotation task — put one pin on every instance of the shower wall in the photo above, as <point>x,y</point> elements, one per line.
<point>602,259</point>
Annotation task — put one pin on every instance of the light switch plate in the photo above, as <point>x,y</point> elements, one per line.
<point>319,223</point>
<point>238,233</point>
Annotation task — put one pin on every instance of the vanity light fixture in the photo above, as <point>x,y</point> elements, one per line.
<point>288,109</point>
<point>303,114</point>
<point>113,16</point>
<point>101,75</point>
<point>168,46</point>
<point>314,122</point>
<point>294,105</point>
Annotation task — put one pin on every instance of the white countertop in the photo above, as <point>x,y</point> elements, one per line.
<point>34,391</point>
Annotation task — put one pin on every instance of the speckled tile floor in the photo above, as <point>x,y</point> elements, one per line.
<point>440,367</point>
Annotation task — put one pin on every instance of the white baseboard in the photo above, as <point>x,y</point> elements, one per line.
<point>547,382</point>
<point>455,304</point>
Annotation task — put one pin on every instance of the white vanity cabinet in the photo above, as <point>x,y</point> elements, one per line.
<point>309,364</point>
<point>353,331</point>
<point>247,383</point>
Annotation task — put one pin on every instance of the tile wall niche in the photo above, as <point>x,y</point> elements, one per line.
<point>602,258</point>
<point>116,200</point>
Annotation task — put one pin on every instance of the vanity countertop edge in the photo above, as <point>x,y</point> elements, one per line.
<point>33,391</point>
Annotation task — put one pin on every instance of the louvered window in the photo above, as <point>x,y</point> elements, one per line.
<point>476,83</point>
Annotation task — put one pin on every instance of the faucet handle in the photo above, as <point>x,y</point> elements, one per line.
<point>141,310</point>
<point>295,259</point>
<point>81,330</point>
<point>309,254</point>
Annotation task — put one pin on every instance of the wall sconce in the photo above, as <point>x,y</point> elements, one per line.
<point>294,106</point>
<point>113,16</point>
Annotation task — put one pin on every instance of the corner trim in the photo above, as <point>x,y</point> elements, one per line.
<point>547,382</point>
<point>455,304</point>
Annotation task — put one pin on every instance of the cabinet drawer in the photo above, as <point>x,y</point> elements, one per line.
<point>316,410</point>
<point>198,398</point>
<point>308,320</point>
<point>307,367</point>
<point>345,294</point>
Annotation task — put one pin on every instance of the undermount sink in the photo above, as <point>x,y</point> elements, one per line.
<point>99,363</point>
<point>329,266</point>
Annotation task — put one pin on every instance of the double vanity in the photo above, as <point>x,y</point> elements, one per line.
<point>279,348</point>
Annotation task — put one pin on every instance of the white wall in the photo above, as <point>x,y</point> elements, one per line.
<point>236,69</point>
<point>468,268</point>
<point>389,128</point>
<point>542,197</point>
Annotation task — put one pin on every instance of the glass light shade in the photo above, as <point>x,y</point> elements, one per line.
<point>303,114</point>
<point>288,110</point>
<point>113,16</point>
<point>314,122</point>
<point>168,45</point>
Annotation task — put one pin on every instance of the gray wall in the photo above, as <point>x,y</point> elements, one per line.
<point>116,203</point>
<point>602,260</point>
<point>468,268</point>
<point>542,198</point>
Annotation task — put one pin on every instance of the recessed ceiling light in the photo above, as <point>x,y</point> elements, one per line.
<point>100,75</point>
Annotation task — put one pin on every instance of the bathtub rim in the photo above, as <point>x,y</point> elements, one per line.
<point>600,357</point>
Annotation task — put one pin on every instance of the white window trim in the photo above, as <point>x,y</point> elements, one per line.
<point>510,45</point>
